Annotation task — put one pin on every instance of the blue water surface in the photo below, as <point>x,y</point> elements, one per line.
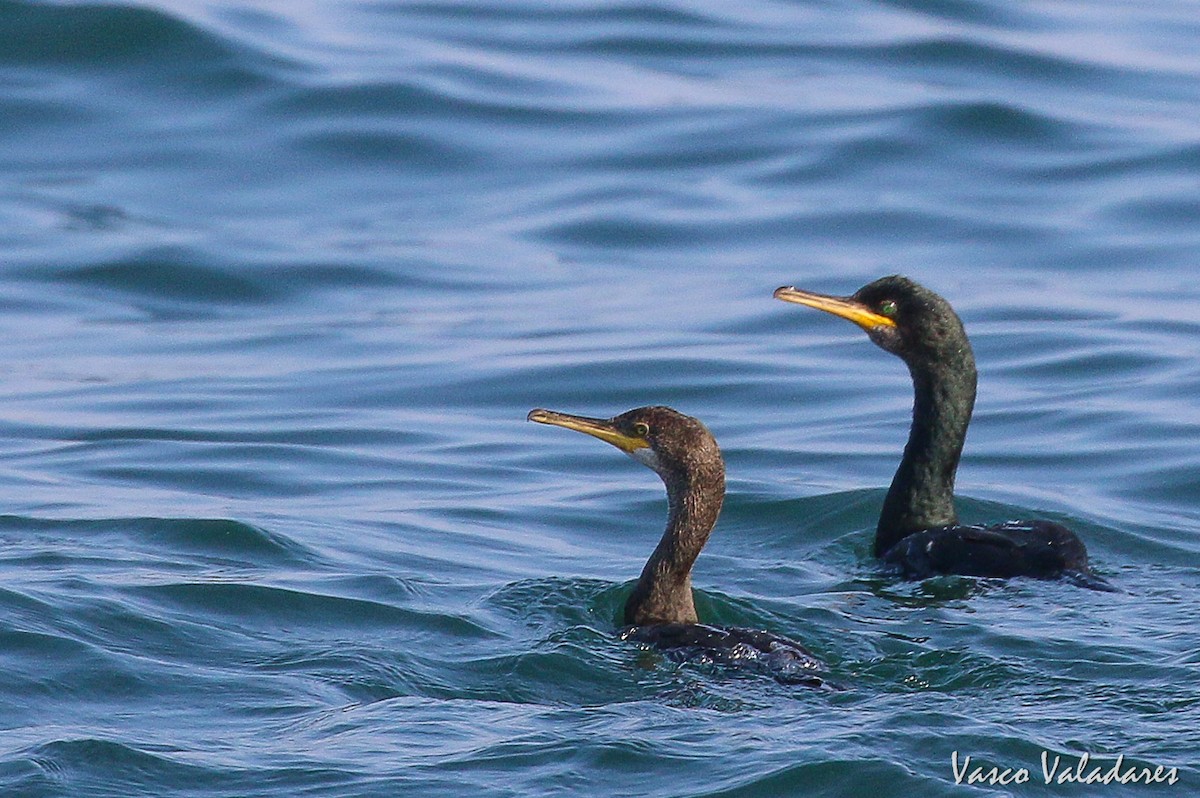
<point>280,282</point>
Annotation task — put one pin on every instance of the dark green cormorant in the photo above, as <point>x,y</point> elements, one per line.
<point>918,527</point>
<point>660,610</point>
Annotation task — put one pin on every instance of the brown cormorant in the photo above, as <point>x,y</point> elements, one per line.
<point>918,527</point>
<point>660,610</point>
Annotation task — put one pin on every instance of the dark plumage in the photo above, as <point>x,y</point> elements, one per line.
<point>918,527</point>
<point>660,610</point>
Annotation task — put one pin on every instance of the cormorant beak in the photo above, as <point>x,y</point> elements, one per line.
<point>845,307</point>
<point>596,427</point>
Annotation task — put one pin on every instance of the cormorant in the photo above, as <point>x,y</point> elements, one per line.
<point>918,527</point>
<point>660,610</point>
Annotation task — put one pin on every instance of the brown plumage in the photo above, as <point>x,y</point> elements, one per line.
<point>660,610</point>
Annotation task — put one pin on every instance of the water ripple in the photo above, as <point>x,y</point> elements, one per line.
<point>284,280</point>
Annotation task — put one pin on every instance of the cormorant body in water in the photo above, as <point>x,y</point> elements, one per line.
<point>660,610</point>
<point>918,527</point>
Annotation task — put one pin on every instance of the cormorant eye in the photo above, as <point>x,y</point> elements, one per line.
<point>641,429</point>
<point>887,308</point>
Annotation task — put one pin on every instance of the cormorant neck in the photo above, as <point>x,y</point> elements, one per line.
<point>922,491</point>
<point>663,593</point>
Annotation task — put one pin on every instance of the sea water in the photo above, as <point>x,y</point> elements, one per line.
<point>280,281</point>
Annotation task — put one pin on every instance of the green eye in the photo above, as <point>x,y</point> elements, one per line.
<point>641,429</point>
<point>887,308</point>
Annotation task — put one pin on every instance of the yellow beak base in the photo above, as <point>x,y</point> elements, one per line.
<point>845,307</point>
<point>596,427</point>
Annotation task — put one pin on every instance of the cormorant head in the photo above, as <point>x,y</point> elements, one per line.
<point>899,315</point>
<point>672,444</point>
